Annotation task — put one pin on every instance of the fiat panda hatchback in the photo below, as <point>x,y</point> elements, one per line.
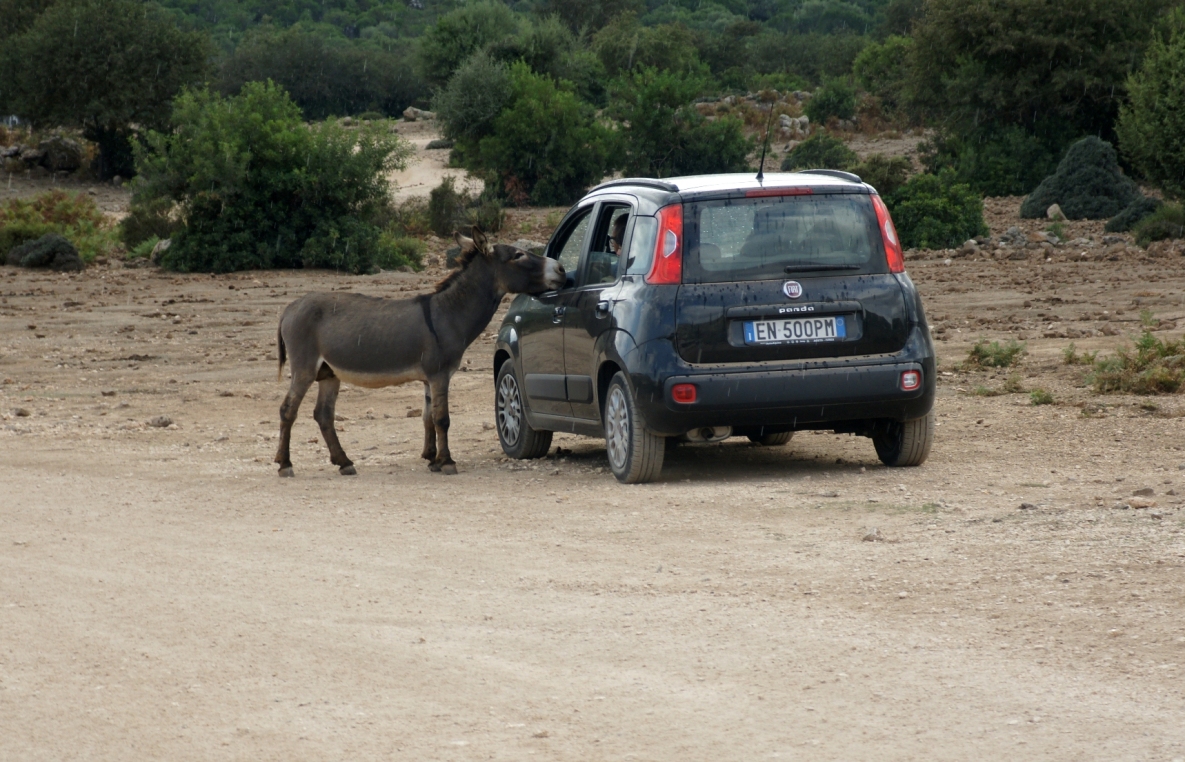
<point>699,308</point>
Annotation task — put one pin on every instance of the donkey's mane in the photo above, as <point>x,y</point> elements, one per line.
<point>462,263</point>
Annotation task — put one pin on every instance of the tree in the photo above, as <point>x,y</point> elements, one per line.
<point>881,70</point>
<point>588,15</point>
<point>936,212</point>
<point>458,35</point>
<point>472,100</point>
<point>662,133</point>
<point>625,44</point>
<point>1151,127</point>
<point>103,65</point>
<point>324,76</point>
<point>545,147</point>
<point>257,188</point>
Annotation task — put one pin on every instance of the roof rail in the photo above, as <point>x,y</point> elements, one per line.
<point>645,182</point>
<point>837,173</point>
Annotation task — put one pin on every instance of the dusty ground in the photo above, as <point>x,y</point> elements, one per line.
<point>164,596</point>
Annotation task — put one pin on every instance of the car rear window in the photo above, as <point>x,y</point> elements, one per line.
<point>771,237</point>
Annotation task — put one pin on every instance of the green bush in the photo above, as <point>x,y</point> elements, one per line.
<point>52,251</point>
<point>1152,366</point>
<point>257,188</point>
<point>882,69</point>
<point>1087,184</point>
<point>1071,356</point>
<point>149,219</point>
<point>143,250</point>
<point>545,148</point>
<point>395,251</point>
<point>820,151</point>
<point>936,212</point>
<point>1040,397</point>
<point>325,77</point>
<point>885,173</point>
<point>836,99</point>
<point>459,34</point>
<point>625,45</point>
<point>1007,161</point>
<point>123,69</point>
<point>662,135</point>
<point>446,207</point>
<point>1132,214</point>
<point>1166,222</point>
<point>468,105</point>
<point>73,215</point>
<point>1151,127</point>
<point>985,354</point>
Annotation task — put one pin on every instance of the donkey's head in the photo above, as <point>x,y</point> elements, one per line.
<point>516,271</point>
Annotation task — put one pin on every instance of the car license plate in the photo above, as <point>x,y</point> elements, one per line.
<point>795,330</point>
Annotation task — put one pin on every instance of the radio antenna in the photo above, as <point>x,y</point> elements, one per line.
<point>765,145</point>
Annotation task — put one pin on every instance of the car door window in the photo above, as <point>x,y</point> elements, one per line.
<point>571,245</point>
<point>608,244</point>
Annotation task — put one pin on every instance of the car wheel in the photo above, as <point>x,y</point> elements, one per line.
<point>518,439</point>
<point>635,455</point>
<point>905,443</point>
<point>772,440</point>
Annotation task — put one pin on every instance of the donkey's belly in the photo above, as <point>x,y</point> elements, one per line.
<point>377,379</point>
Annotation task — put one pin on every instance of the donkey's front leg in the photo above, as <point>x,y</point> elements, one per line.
<point>429,453</point>
<point>444,461</point>
<point>323,414</point>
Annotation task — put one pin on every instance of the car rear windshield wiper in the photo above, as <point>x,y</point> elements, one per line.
<point>817,268</point>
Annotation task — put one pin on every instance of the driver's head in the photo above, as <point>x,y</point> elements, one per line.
<point>617,235</point>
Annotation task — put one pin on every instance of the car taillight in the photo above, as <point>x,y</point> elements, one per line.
<point>667,267</point>
<point>889,236</point>
<point>910,380</point>
<point>683,393</point>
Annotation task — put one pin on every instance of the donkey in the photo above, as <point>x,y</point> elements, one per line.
<point>374,342</point>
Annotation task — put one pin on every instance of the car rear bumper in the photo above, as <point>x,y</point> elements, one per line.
<point>809,396</point>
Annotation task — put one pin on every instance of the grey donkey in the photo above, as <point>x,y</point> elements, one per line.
<point>374,342</point>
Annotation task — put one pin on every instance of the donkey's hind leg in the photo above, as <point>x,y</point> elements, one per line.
<point>429,453</point>
<point>327,389</point>
<point>301,381</point>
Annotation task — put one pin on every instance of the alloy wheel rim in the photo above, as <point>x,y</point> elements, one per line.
<point>510,411</point>
<point>617,433</point>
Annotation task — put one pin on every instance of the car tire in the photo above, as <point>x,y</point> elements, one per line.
<point>635,454</point>
<point>905,443</point>
<point>515,434</point>
<point>772,440</point>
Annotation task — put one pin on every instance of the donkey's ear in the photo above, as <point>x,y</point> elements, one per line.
<point>467,244</point>
<point>480,241</point>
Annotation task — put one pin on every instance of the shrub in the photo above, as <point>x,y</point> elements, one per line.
<point>1070,356</point>
<point>936,212</point>
<point>545,148</point>
<point>467,107</point>
<point>836,99</point>
<point>1087,184</point>
<point>325,77</point>
<point>257,188</point>
<point>1152,366</point>
<point>625,45</point>
<point>662,135</point>
<point>1007,161</point>
<point>488,215</point>
<point>885,173</point>
<point>446,207</point>
<point>1166,222</point>
<point>881,69</point>
<point>143,250</point>
<point>993,354</point>
<point>459,34</point>
<point>395,251</point>
<point>123,70</point>
<point>1151,128</point>
<point>1040,397</point>
<point>150,219</point>
<point>52,251</point>
<point>73,215</point>
<point>820,151</point>
<point>1132,214</point>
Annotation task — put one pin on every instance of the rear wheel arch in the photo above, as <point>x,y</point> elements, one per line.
<point>500,357</point>
<point>605,373</point>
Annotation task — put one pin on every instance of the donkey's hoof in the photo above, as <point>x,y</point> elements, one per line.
<point>433,466</point>
<point>347,471</point>
<point>449,469</point>
<point>287,472</point>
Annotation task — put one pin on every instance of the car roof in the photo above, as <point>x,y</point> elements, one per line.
<point>748,181</point>
<point>655,193</point>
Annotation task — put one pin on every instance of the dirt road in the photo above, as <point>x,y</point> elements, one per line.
<point>164,596</point>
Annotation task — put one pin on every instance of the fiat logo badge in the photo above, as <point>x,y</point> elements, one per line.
<point>792,289</point>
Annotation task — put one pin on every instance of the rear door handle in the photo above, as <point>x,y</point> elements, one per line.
<point>603,308</point>
<point>557,315</point>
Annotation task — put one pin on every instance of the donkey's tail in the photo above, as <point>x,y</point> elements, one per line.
<point>281,354</point>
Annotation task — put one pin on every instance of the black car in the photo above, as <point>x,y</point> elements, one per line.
<point>736,307</point>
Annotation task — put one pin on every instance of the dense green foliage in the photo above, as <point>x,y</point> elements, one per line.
<point>885,173</point>
<point>545,147</point>
<point>326,77</point>
<point>1007,161</point>
<point>1152,127</point>
<point>820,151</point>
<point>1151,366</point>
<point>1132,214</point>
<point>936,212</point>
<point>53,75</point>
<point>1087,185</point>
<point>881,69</point>
<point>836,99</point>
<point>257,188</point>
<point>1168,221</point>
<point>460,34</point>
<point>472,100</point>
<point>663,136</point>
